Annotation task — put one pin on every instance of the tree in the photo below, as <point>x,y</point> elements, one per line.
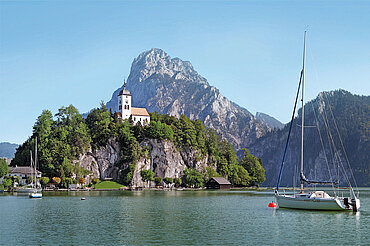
<point>44,181</point>
<point>4,169</point>
<point>81,180</point>
<point>239,176</point>
<point>95,181</point>
<point>177,181</point>
<point>193,178</point>
<point>253,166</point>
<point>210,173</point>
<point>99,122</point>
<point>67,182</point>
<point>56,180</point>
<point>158,181</point>
<point>7,182</point>
<point>147,175</point>
<point>168,181</point>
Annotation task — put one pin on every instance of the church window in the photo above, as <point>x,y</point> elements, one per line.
<point>120,107</point>
<point>128,106</point>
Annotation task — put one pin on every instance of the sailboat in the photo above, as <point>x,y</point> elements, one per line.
<point>36,193</point>
<point>315,200</point>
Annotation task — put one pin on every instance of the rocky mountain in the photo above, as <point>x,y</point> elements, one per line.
<point>172,86</point>
<point>7,149</point>
<point>352,118</point>
<point>270,121</point>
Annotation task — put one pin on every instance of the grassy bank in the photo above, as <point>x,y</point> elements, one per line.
<point>108,185</point>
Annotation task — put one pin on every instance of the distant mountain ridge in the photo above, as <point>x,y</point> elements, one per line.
<point>352,116</point>
<point>172,86</point>
<point>8,149</point>
<point>269,120</point>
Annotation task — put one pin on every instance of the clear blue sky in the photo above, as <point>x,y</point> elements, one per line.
<point>56,53</point>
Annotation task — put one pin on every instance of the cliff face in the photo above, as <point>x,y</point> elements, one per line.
<point>172,86</point>
<point>164,159</point>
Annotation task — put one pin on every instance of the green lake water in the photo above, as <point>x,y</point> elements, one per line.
<point>174,218</point>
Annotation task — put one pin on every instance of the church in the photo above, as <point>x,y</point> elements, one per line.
<point>125,110</point>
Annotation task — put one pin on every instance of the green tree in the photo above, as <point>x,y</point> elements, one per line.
<point>177,181</point>
<point>67,182</point>
<point>147,175</point>
<point>44,181</point>
<point>193,178</point>
<point>127,174</point>
<point>158,181</point>
<point>7,182</point>
<point>95,181</point>
<point>253,166</point>
<point>4,169</point>
<point>210,173</point>
<point>239,176</point>
<point>168,181</point>
<point>100,122</point>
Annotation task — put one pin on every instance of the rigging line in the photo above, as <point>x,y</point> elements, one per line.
<point>345,153</point>
<point>328,137</point>
<point>342,145</point>
<point>290,130</point>
<point>336,150</point>
<point>322,145</point>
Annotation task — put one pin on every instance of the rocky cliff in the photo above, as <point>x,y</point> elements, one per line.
<point>164,159</point>
<point>172,86</point>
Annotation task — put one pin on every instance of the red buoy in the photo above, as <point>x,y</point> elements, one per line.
<point>272,205</point>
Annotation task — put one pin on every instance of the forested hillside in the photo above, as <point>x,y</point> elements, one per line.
<point>67,136</point>
<point>335,110</point>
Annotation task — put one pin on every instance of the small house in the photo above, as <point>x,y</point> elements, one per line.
<point>218,183</point>
<point>23,172</point>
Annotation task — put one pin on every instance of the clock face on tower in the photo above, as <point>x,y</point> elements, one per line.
<point>126,101</point>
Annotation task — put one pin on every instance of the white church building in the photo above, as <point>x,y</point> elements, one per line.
<point>125,110</point>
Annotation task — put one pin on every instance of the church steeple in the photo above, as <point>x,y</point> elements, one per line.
<point>124,102</point>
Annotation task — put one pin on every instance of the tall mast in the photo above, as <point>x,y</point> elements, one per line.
<point>302,128</point>
<point>35,163</point>
<point>31,168</point>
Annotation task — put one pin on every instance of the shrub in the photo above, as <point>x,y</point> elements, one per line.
<point>67,182</point>
<point>56,180</point>
<point>177,181</point>
<point>44,181</point>
<point>158,181</point>
<point>95,181</point>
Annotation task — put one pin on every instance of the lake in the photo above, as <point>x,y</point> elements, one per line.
<point>174,218</point>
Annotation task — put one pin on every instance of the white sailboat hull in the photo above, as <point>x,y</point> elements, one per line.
<point>295,202</point>
<point>35,195</point>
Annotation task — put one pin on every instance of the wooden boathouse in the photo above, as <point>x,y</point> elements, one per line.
<point>218,183</point>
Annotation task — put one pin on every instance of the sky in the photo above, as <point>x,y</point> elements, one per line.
<point>57,53</point>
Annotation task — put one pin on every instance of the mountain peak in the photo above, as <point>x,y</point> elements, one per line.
<point>156,63</point>
<point>172,86</point>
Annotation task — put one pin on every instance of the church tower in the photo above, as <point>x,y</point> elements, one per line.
<point>124,102</point>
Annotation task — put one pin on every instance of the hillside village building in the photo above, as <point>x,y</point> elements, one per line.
<point>125,110</point>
